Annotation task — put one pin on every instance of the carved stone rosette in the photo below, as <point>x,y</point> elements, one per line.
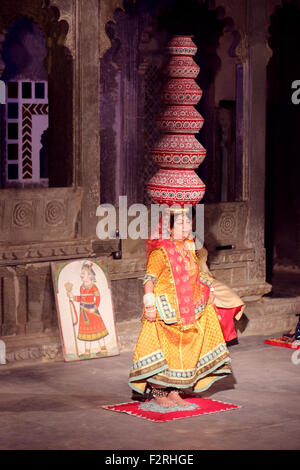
<point>178,153</point>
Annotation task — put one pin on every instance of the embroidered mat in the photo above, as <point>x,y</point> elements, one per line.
<point>282,341</point>
<point>151,411</point>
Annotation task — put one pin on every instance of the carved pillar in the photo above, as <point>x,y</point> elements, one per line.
<point>40,298</point>
<point>35,304</point>
<point>22,301</point>
<point>86,111</point>
<point>242,116</point>
<point>256,112</point>
<point>9,302</point>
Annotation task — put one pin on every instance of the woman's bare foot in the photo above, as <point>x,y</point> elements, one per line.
<point>160,396</point>
<point>176,398</point>
<point>164,401</point>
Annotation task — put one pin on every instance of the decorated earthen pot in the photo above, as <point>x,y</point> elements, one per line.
<point>176,187</point>
<point>178,151</point>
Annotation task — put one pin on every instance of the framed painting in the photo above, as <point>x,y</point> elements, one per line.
<point>85,309</point>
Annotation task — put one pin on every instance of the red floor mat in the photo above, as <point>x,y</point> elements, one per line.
<point>281,341</point>
<point>200,406</point>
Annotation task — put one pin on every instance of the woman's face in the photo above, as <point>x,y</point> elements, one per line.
<point>182,227</point>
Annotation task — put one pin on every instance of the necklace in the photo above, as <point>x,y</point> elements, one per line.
<point>185,252</point>
<point>187,256</point>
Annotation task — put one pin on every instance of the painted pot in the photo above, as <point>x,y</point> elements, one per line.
<point>181,45</point>
<point>176,187</point>
<point>182,119</point>
<point>180,91</point>
<point>182,67</point>
<point>178,151</point>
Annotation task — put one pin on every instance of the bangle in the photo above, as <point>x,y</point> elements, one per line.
<point>149,299</point>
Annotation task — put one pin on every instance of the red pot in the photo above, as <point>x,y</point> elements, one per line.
<point>181,45</point>
<point>179,91</point>
<point>176,187</point>
<point>183,119</point>
<point>182,67</point>
<point>178,151</point>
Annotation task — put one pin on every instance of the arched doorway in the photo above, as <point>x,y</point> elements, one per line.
<point>283,167</point>
<point>131,77</point>
<point>34,59</point>
<point>25,116</point>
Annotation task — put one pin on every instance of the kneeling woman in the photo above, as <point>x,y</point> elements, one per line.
<point>181,345</point>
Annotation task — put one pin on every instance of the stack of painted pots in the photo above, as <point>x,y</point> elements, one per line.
<point>178,153</point>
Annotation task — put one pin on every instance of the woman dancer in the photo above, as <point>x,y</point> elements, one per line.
<point>181,345</point>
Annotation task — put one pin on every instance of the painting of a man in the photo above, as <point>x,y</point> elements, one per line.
<point>91,325</point>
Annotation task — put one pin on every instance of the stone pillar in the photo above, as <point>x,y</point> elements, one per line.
<point>87,112</point>
<point>22,299</point>
<point>9,302</point>
<point>255,110</point>
<point>41,304</point>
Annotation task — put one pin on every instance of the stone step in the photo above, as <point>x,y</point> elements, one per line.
<point>269,315</point>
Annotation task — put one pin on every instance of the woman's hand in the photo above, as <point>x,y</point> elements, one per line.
<point>150,313</point>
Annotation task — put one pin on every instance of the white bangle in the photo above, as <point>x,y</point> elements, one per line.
<point>149,299</point>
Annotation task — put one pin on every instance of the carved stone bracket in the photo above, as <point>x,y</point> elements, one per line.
<point>106,14</point>
<point>67,10</point>
<point>233,12</point>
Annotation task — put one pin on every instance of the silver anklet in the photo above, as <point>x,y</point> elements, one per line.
<point>178,392</point>
<point>159,392</point>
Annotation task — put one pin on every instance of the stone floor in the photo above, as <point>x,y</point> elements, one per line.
<point>56,405</point>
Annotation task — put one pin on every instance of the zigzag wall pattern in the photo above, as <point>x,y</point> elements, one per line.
<point>28,110</point>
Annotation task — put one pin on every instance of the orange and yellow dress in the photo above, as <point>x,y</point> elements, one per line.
<point>184,348</point>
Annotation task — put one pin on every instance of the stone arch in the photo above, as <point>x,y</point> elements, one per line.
<point>232,25</point>
<point>147,45</point>
<point>282,241</point>
<point>110,19</point>
<point>272,8</point>
<point>107,15</point>
<point>59,65</point>
<point>46,16</point>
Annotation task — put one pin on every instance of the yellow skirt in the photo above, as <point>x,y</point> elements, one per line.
<point>169,356</point>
